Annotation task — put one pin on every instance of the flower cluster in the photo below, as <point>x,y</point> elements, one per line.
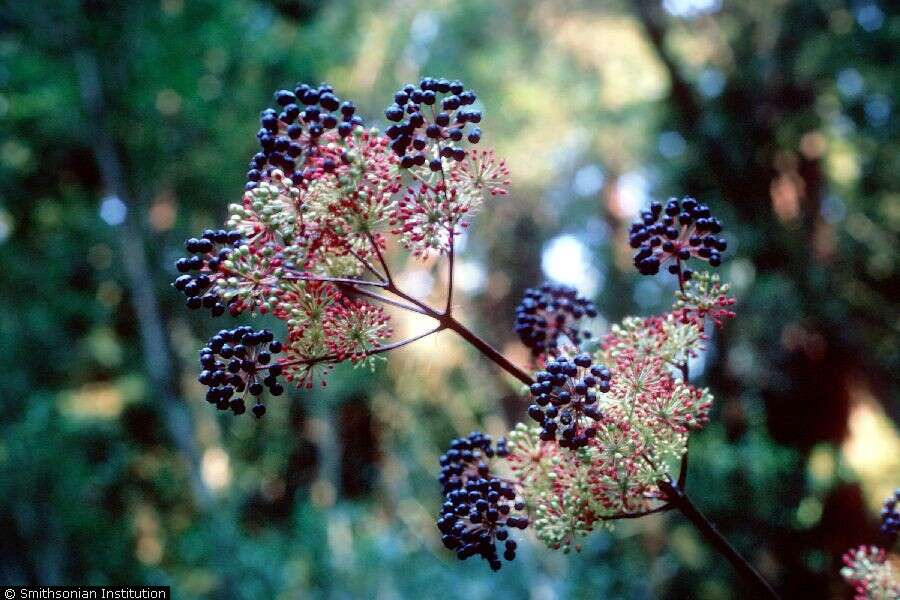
<point>429,120</point>
<point>354,329</point>
<point>237,363</point>
<point>428,216</point>
<point>482,172</point>
<point>556,486</point>
<point>704,295</point>
<point>477,508</point>
<point>565,397</point>
<point>672,337</point>
<point>682,230</point>
<point>284,137</point>
<point>208,251</point>
<point>549,313</point>
<point>870,573</point>
<point>324,198</point>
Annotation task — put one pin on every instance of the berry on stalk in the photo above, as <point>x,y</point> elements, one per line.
<point>429,120</point>
<point>565,399</point>
<point>890,515</point>
<point>549,313</point>
<point>477,512</point>
<point>673,234</point>
<point>237,366</point>
<point>204,268</point>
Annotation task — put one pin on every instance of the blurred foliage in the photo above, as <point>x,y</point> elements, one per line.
<point>781,114</point>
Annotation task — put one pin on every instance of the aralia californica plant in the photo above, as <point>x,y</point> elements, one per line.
<point>609,419</point>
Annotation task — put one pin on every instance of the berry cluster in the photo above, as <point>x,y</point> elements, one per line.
<point>477,504</point>
<point>237,362</point>
<point>890,515</point>
<point>209,251</point>
<point>306,115</point>
<point>565,396</point>
<point>550,312</point>
<point>439,126</point>
<point>678,232</point>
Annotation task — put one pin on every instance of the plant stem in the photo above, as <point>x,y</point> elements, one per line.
<point>680,500</point>
<point>486,349</point>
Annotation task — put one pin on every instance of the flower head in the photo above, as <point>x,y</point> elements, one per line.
<point>565,399</point>
<point>430,120</point>
<point>550,315</point>
<point>682,230</point>
<point>428,216</point>
<point>872,576</point>
<point>705,295</point>
<point>556,485</point>
<point>237,363</point>
<point>478,505</point>
<point>353,329</point>
<point>482,172</point>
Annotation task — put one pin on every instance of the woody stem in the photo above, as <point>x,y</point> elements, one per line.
<point>680,500</point>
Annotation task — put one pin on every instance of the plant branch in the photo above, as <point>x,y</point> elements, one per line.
<point>425,309</point>
<point>487,350</point>
<point>450,256</point>
<point>678,499</point>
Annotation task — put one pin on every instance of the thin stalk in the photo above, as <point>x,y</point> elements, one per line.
<point>372,352</point>
<point>451,252</point>
<point>337,280</point>
<point>638,515</point>
<point>683,470</point>
<point>425,309</point>
<point>680,500</point>
<point>368,265</point>
<point>451,256</point>
<point>380,256</point>
<point>380,298</point>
